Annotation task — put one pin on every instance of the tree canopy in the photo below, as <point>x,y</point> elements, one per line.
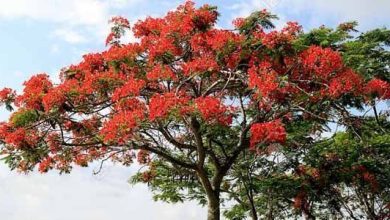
<point>283,122</point>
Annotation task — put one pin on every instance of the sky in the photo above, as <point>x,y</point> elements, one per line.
<point>46,35</point>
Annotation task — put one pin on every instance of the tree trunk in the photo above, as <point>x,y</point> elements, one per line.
<point>253,211</point>
<point>308,216</point>
<point>254,214</point>
<point>213,212</point>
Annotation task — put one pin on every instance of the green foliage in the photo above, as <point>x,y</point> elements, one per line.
<point>172,184</point>
<point>367,53</point>
<point>24,117</point>
<point>256,19</point>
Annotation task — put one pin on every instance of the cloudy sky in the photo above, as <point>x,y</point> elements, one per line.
<point>46,35</point>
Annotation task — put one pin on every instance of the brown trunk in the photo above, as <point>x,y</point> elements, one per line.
<point>254,214</point>
<point>307,215</point>
<point>213,212</point>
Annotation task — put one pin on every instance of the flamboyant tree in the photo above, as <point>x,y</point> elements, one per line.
<point>190,101</point>
<point>342,175</point>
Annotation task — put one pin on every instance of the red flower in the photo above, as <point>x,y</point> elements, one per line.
<point>220,39</point>
<point>204,17</point>
<point>16,138</point>
<point>34,90</point>
<point>346,82</point>
<point>263,78</point>
<point>7,94</point>
<point>160,72</point>
<point>280,38</point>
<point>111,37</point>
<point>128,51</point>
<point>149,26</point>
<point>92,62</point>
<point>379,88</point>
<point>54,98</point>
<point>121,126</point>
<point>161,105</point>
<point>267,132</point>
<point>53,142</point>
<point>322,62</point>
<point>238,22</point>
<point>200,65</point>
<point>81,160</point>
<point>131,88</point>
<point>143,157</point>
<point>121,21</point>
<point>45,164</point>
<point>213,110</point>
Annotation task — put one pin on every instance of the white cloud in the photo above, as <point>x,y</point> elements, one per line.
<point>359,9</point>
<point>369,13</point>
<point>69,35</point>
<point>244,8</point>
<point>83,196</point>
<point>70,14</point>
<point>89,16</point>
<point>74,12</point>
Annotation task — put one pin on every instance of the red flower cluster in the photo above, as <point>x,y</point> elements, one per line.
<point>221,39</point>
<point>280,38</point>
<point>322,63</point>
<point>149,26</point>
<point>364,174</point>
<point>303,170</point>
<point>120,21</point>
<point>164,37</point>
<point>200,65</point>
<point>81,159</point>
<point>131,88</point>
<point>143,157</point>
<point>128,52</point>
<point>161,72</point>
<point>15,137</point>
<point>263,78</point>
<point>148,175</point>
<point>6,95</point>
<point>162,48</point>
<point>161,105</point>
<point>120,127</point>
<point>33,92</point>
<point>379,88</point>
<point>45,164</point>
<point>58,95</point>
<point>203,17</point>
<point>54,98</point>
<point>102,82</point>
<point>267,132</point>
<point>346,82</point>
<point>92,62</point>
<point>238,22</point>
<point>53,142</point>
<point>213,110</point>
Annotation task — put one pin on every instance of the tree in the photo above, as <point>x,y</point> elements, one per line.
<point>345,174</point>
<point>189,101</point>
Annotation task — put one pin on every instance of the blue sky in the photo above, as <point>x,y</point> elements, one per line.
<point>46,35</point>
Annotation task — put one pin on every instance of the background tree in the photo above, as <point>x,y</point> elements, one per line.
<point>347,188</point>
<point>189,99</point>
